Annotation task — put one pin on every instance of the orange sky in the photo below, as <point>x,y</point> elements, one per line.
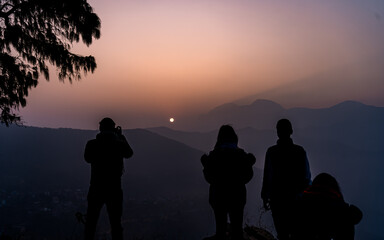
<point>158,59</point>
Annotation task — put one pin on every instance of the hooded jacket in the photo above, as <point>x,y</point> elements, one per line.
<point>227,169</point>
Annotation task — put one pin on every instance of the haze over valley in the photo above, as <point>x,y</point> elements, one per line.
<point>166,174</point>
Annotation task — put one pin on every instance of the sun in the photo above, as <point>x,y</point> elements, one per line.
<point>171,120</point>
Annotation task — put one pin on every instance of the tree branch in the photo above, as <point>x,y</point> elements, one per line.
<point>6,5</point>
<point>9,12</point>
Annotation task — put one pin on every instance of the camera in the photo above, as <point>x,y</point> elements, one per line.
<point>118,130</point>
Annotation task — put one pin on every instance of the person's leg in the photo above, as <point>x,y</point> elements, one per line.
<point>236,214</point>
<point>95,203</point>
<point>346,232</point>
<point>221,221</point>
<point>281,220</point>
<point>115,212</point>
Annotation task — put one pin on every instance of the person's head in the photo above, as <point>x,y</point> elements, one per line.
<point>326,180</point>
<point>106,124</point>
<point>284,128</point>
<point>226,135</point>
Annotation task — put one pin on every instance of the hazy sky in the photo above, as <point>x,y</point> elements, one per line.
<point>160,59</point>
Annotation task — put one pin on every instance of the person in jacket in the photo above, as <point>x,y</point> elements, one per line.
<point>105,154</point>
<point>286,176</point>
<point>227,169</point>
<point>323,214</point>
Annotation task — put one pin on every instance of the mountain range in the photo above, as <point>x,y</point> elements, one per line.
<point>263,114</point>
<point>345,140</point>
<point>360,80</point>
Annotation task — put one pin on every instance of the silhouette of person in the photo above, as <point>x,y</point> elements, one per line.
<point>227,169</point>
<point>105,154</point>
<point>286,175</point>
<point>323,214</point>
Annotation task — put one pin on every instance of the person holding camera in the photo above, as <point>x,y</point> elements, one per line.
<point>105,154</point>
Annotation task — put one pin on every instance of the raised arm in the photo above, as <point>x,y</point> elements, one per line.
<point>126,148</point>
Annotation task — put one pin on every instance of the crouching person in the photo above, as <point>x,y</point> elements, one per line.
<point>322,213</point>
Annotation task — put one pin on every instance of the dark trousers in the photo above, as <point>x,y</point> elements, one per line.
<point>235,213</point>
<point>283,217</point>
<point>113,199</point>
<point>344,233</point>
<point>347,232</point>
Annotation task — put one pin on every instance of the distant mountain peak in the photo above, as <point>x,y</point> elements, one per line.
<point>266,103</point>
<point>224,107</point>
<point>350,104</point>
<point>257,105</point>
<point>261,100</point>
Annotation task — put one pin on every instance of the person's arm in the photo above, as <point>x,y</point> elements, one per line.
<point>207,168</point>
<point>307,171</point>
<point>267,181</point>
<point>250,160</point>
<point>126,148</point>
<point>354,214</point>
<point>88,156</point>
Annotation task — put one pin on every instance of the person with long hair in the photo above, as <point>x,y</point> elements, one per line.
<point>227,168</point>
<point>323,214</point>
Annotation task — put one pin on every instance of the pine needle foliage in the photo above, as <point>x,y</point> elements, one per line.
<point>38,33</point>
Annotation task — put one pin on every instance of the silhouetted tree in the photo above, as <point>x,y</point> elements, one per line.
<point>34,33</point>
